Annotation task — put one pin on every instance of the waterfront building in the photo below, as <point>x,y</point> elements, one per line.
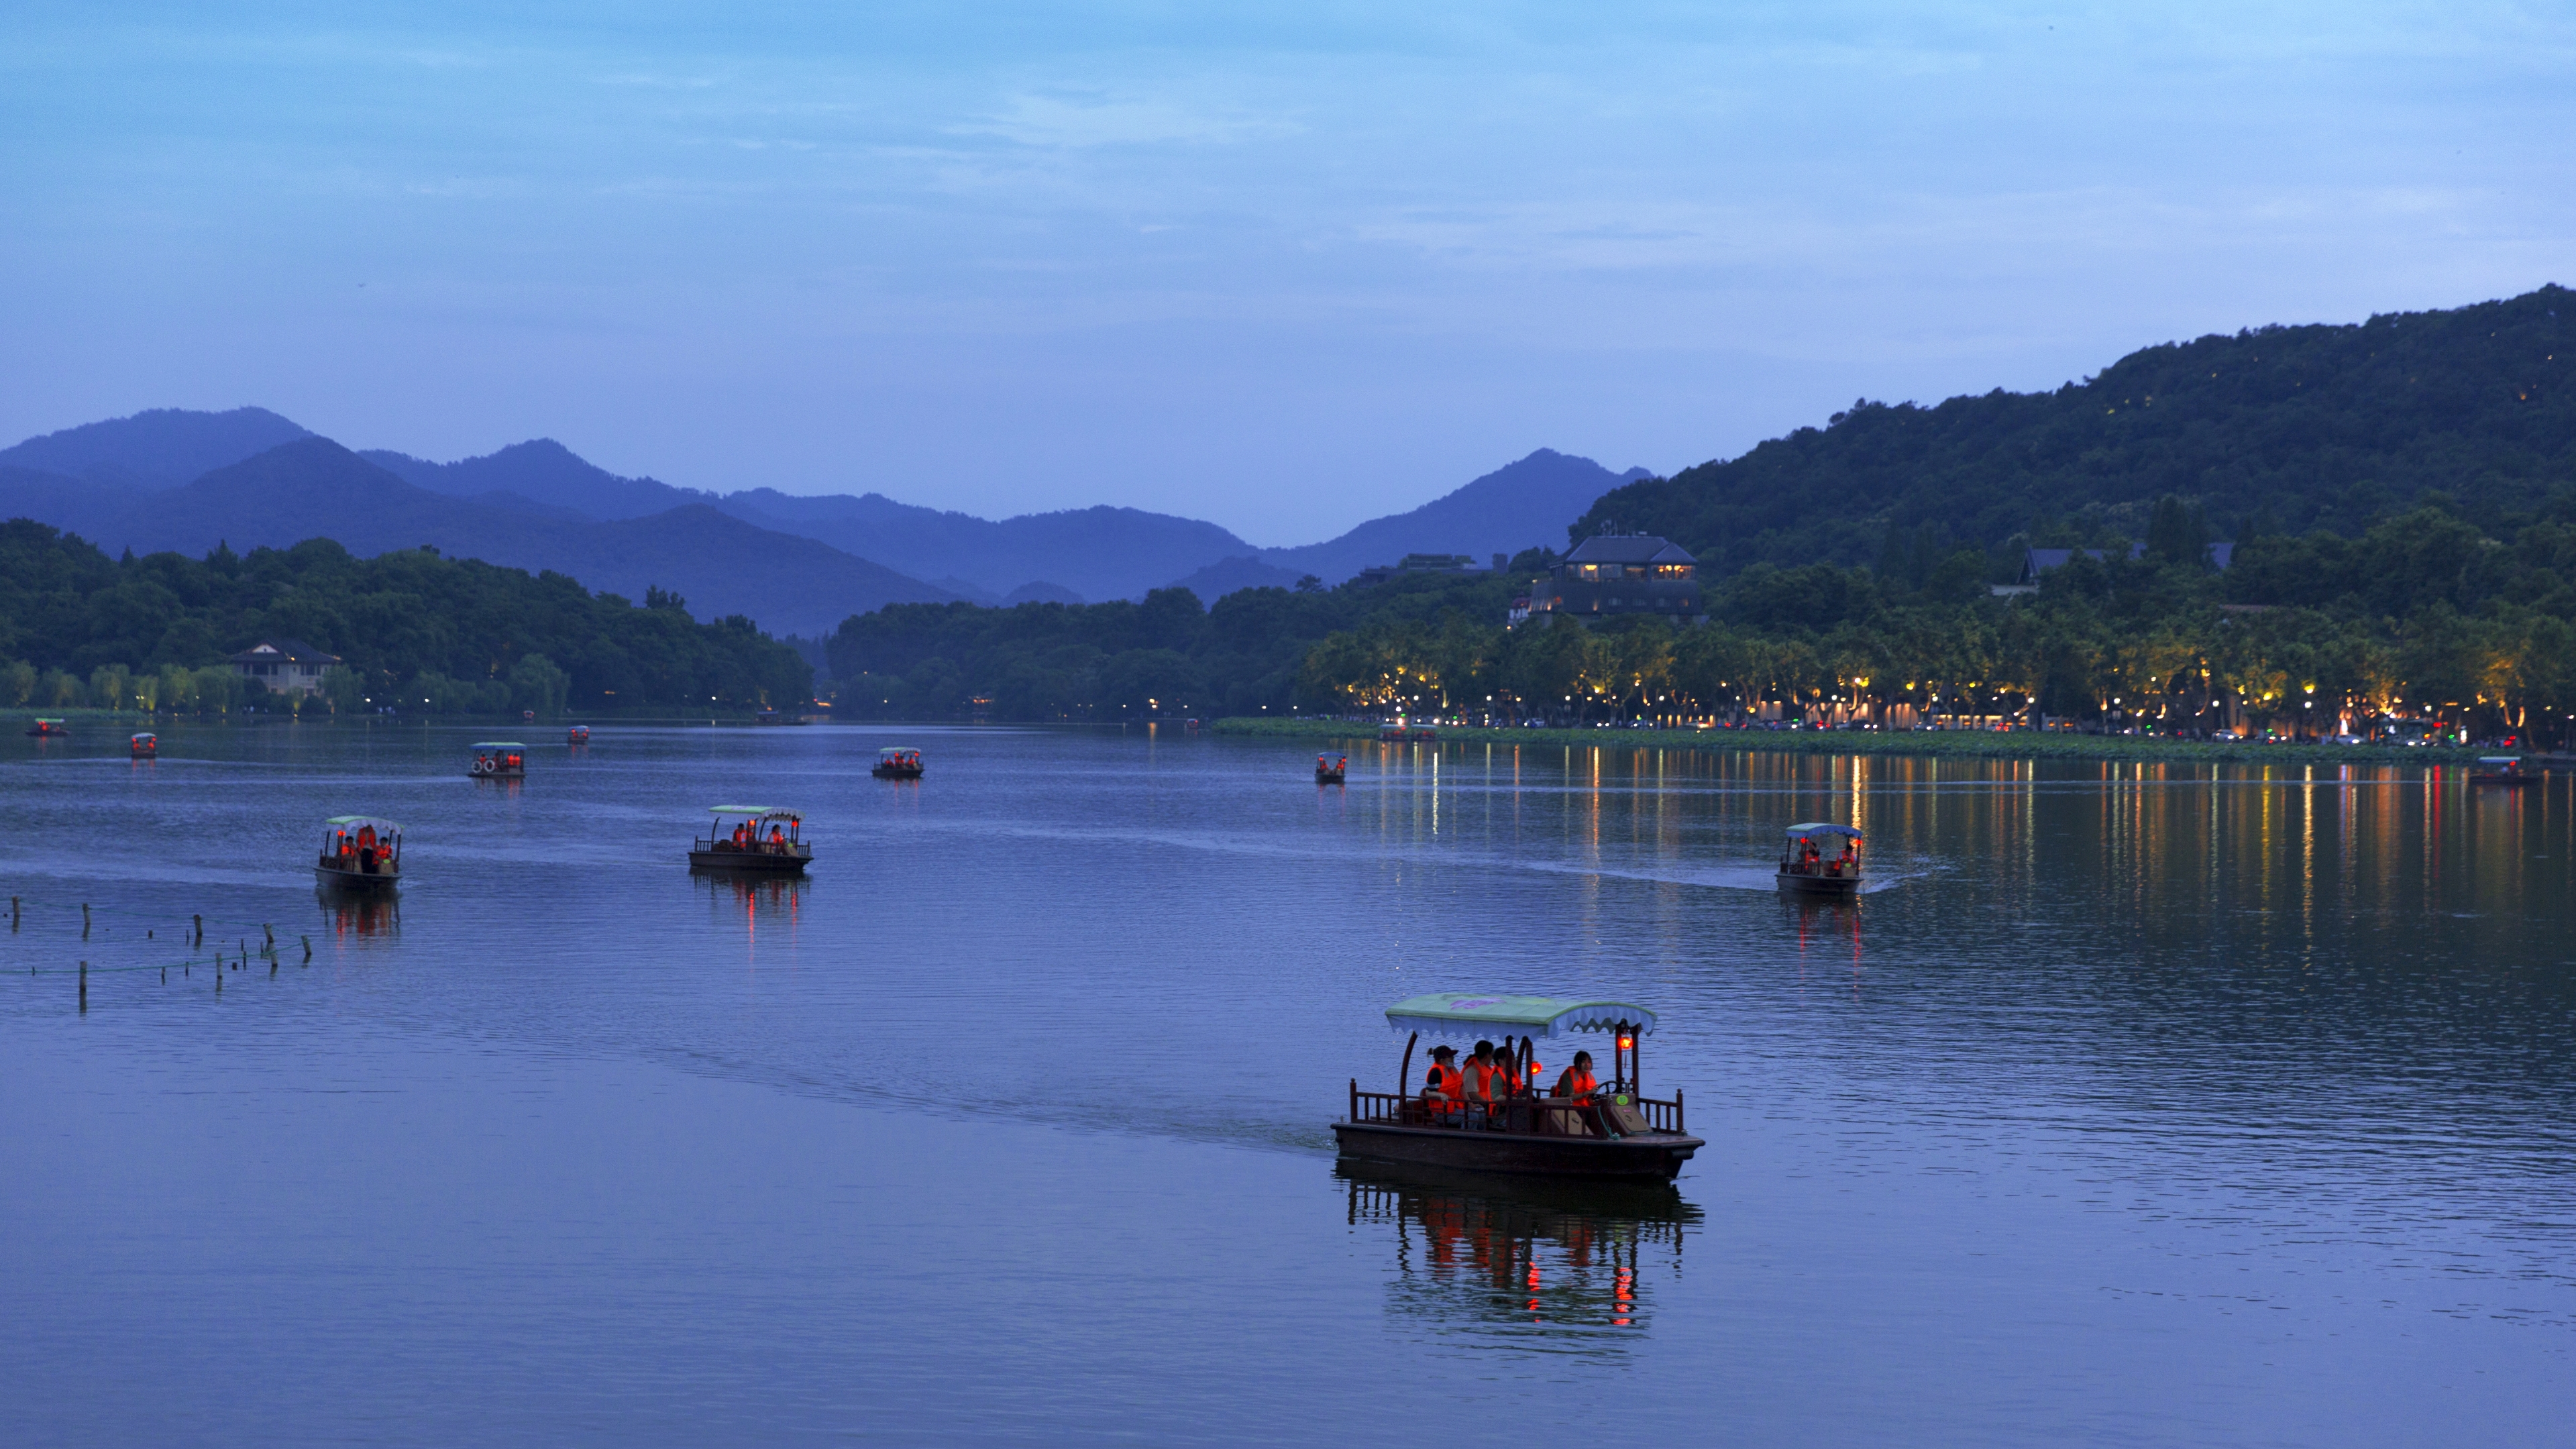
<point>286,666</point>
<point>1619,573</point>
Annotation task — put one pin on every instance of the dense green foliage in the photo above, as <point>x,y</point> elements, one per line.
<point>416,631</point>
<point>2424,617</point>
<point>1122,660</point>
<point>2284,428</point>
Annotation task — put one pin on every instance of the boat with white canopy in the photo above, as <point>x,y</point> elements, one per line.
<point>361,853</point>
<point>897,762</point>
<point>761,838</point>
<point>1821,859</point>
<point>1515,1120</point>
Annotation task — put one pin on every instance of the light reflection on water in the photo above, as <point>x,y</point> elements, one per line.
<point>2298,1016</point>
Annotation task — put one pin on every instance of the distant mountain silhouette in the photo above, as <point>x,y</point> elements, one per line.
<point>515,504</point>
<point>316,488</point>
<point>1521,505</point>
<point>542,471</point>
<point>1245,572</point>
<point>161,448</point>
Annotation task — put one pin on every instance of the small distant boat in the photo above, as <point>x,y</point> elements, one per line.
<point>144,746</point>
<point>577,735</point>
<point>763,838</point>
<point>779,717</point>
<point>894,762</point>
<point>49,729</point>
<point>1806,867</point>
<point>1329,769</point>
<point>527,716</point>
<point>499,760</point>
<point>360,853</point>
<point>1400,731</point>
<point>1596,1131</point>
<point>2504,771</point>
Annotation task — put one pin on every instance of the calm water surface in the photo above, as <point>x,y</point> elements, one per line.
<point>2133,1105</point>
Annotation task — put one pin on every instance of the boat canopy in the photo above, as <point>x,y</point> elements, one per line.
<point>891,751</point>
<point>354,822</point>
<point>761,811</point>
<point>498,745</point>
<point>147,735</point>
<point>1461,1014</point>
<point>2499,759</point>
<point>1826,829</point>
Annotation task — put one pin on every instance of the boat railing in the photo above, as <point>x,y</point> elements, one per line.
<point>1537,1116</point>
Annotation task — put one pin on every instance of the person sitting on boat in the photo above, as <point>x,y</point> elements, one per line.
<point>1576,1085</point>
<point>1444,1092</point>
<point>1506,1078</point>
<point>778,840</point>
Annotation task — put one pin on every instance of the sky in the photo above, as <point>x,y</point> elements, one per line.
<point>1285,267</point>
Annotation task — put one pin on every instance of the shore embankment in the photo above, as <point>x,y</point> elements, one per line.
<point>1952,744</point>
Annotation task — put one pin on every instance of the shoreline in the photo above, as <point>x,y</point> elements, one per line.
<point>1944,744</point>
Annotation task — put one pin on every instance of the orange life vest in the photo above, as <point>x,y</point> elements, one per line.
<point>1450,1086</point>
<point>1584,1087</point>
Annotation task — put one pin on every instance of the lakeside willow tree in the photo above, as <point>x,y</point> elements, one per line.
<point>416,631</point>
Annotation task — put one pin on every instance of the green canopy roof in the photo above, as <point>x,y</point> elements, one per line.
<point>1825,828</point>
<point>1467,1014</point>
<point>498,745</point>
<point>749,810</point>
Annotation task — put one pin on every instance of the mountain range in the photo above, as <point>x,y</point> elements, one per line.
<point>173,479</point>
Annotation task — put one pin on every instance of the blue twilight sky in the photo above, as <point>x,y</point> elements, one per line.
<point>1281,266</point>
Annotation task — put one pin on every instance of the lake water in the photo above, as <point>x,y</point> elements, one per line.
<point>2132,1105</point>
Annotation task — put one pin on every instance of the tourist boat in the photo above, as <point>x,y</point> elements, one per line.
<point>577,735</point>
<point>894,762</point>
<point>48,729</point>
<point>1821,859</point>
<point>2501,770</point>
<point>763,838</point>
<point>1329,769</point>
<point>499,760</point>
<point>1400,732</point>
<point>360,852</point>
<point>144,746</point>
<point>1612,1134</point>
<point>776,717</point>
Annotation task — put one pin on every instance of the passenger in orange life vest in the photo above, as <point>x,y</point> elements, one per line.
<point>1577,1084</point>
<point>1444,1091</point>
<point>1480,1074</point>
<point>777,840</point>
<point>1507,1077</point>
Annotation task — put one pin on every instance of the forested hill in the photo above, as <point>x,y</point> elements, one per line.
<point>424,632</point>
<point>2277,429</point>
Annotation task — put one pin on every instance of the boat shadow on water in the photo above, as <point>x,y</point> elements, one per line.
<point>1553,1265</point>
<point>361,914</point>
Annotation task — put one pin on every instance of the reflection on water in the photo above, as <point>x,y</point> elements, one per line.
<point>754,899</point>
<point>347,914</point>
<point>1568,1267</point>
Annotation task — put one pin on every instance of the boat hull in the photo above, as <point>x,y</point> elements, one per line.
<point>883,772</point>
<point>351,880</point>
<point>754,862</point>
<point>1640,1157</point>
<point>1820,885</point>
<point>1333,777</point>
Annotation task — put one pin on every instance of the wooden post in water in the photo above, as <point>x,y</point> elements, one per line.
<point>308,949</point>
<point>84,988</point>
<point>201,929</point>
<point>84,920</point>
<point>13,913</point>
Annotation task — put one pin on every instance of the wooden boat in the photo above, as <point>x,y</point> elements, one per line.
<point>2502,771</point>
<point>360,853</point>
<point>1400,732</point>
<point>1329,769</point>
<point>49,729</point>
<point>144,746</point>
<point>1609,1133</point>
<point>895,762</point>
<point>763,839</point>
<point>577,735</point>
<point>1807,867</point>
<point>499,760</point>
